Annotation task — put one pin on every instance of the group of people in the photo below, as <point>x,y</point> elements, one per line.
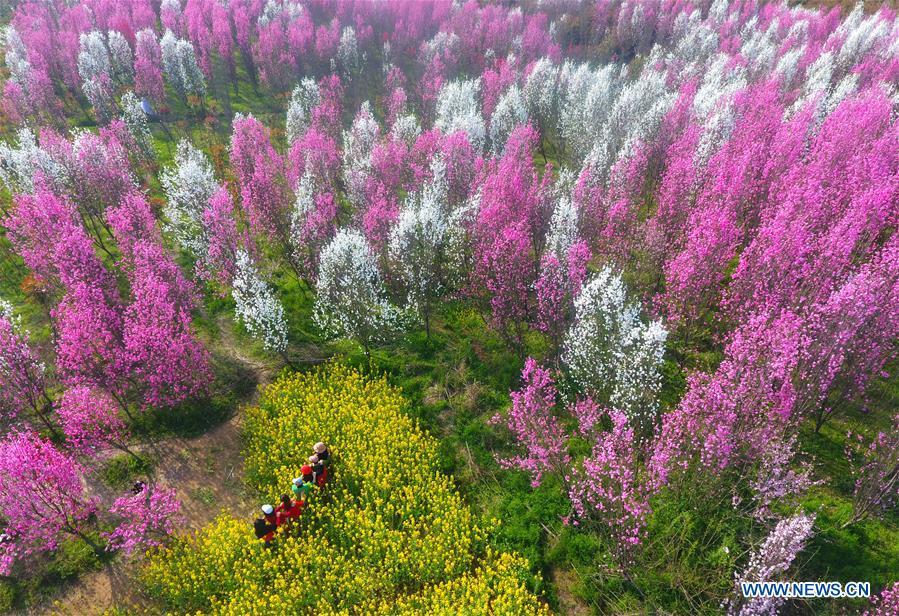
<point>314,475</point>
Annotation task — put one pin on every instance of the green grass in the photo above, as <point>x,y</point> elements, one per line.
<point>8,593</point>
<point>867,551</point>
<point>232,384</point>
<point>49,573</point>
<point>205,495</point>
<point>120,472</point>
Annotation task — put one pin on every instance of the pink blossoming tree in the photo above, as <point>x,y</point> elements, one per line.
<point>144,519</point>
<point>42,498</point>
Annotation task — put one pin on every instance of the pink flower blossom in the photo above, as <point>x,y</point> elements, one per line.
<point>42,497</point>
<point>145,519</point>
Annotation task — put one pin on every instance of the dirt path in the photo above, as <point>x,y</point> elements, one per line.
<point>207,471</point>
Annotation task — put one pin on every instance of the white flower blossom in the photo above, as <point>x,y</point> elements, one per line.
<point>818,75</point>
<point>136,122</point>
<point>406,129</point>
<point>98,94</point>
<point>541,92</point>
<point>698,44</point>
<point>287,11</point>
<point>172,5</point>
<point>769,562</point>
<point>358,144</point>
<point>634,117</point>
<point>257,307</point>
<point>563,228</point>
<point>351,300</point>
<point>93,58</point>
<point>510,112</point>
<point>610,353</point>
<point>19,164</point>
<point>7,313</point>
<point>270,12</point>
<point>16,57</point>
<point>188,187</point>
<point>760,48</point>
<point>303,99</point>
<point>458,109</point>
<point>304,207</point>
<point>713,106</point>
<point>585,99</point>
<point>426,244</point>
<point>788,66</point>
<point>441,43</point>
<point>348,51</point>
<point>858,35</point>
<point>718,11</point>
<point>179,63</point>
<point>121,58</point>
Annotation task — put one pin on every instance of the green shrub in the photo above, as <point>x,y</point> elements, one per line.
<point>7,595</point>
<point>74,557</point>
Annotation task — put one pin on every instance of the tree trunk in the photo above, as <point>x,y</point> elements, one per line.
<point>45,419</point>
<point>96,547</point>
<point>127,450</point>
<point>286,358</point>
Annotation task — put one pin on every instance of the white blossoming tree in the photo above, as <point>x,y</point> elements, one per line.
<point>348,51</point>
<point>98,91</point>
<point>563,225</point>
<point>406,129</point>
<point>120,56</point>
<point>179,62</point>
<point>312,222</point>
<point>16,58</point>
<point>136,122</point>
<point>304,97</point>
<point>510,112</point>
<point>93,58</point>
<point>188,187</point>
<point>634,117</point>
<point>458,109</point>
<point>257,307</point>
<point>358,143</point>
<point>769,561</point>
<point>19,164</point>
<point>585,97</point>
<point>351,300</point>
<point>541,96</point>
<point>610,353</point>
<point>426,245</point>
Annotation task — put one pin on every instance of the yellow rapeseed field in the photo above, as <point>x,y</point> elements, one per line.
<point>389,536</point>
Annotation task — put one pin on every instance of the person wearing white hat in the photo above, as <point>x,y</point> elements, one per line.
<point>265,527</point>
<point>301,488</point>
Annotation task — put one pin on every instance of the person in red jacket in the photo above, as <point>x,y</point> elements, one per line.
<point>288,509</point>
